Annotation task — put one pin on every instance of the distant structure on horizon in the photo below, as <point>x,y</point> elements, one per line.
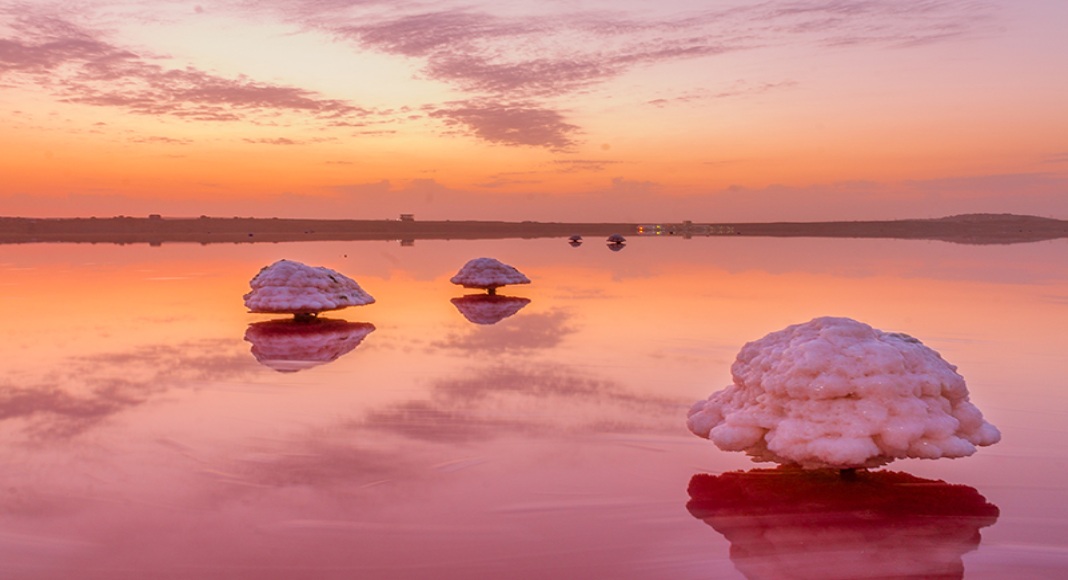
<point>686,229</point>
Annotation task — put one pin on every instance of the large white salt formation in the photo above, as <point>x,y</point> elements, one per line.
<point>294,288</point>
<point>834,392</point>
<point>488,274</point>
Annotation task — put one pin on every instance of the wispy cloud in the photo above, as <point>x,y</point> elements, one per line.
<point>539,59</point>
<point>81,66</point>
<point>893,24</point>
<point>582,165</point>
<point>741,88</point>
<point>515,68</point>
<point>492,55</point>
<point>509,123</point>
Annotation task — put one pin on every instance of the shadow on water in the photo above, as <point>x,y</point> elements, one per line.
<point>790,523</point>
<point>290,345</point>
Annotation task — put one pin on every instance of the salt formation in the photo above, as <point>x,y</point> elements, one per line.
<point>304,291</point>
<point>837,393</point>
<point>488,274</point>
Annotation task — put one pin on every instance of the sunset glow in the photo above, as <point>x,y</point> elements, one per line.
<point>592,110</point>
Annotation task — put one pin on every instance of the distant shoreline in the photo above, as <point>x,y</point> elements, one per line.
<point>156,230</point>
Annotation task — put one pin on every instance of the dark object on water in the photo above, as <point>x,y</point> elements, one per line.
<point>291,345</point>
<point>879,524</point>
<point>488,308</point>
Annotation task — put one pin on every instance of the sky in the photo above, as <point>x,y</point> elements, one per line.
<point>587,110</point>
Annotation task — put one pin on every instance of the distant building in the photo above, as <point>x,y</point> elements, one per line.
<point>407,217</point>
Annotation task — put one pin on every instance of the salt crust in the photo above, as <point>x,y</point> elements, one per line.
<point>488,273</point>
<point>290,287</point>
<point>834,392</point>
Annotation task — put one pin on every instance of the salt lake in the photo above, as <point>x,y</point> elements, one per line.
<point>150,427</point>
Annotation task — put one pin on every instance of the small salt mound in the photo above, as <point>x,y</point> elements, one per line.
<point>291,287</point>
<point>834,392</point>
<point>488,273</point>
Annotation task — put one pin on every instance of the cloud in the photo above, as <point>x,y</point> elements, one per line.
<point>740,88</point>
<point>509,123</point>
<point>161,139</point>
<point>901,24</point>
<point>538,57</point>
<point>78,66</point>
<point>275,141</point>
<point>425,34</point>
<point>582,165</point>
<point>528,56</point>
<point>513,66</point>
<point>536,77</point>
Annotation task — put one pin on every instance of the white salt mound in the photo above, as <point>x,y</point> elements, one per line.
<point>488,273</point>
<point>837,393</point>
<point>291,287</point>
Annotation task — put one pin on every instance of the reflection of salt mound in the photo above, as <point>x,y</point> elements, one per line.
<point>789,523</point>
<point>834,392</point>
<point>294,345</point>
<point>488,308</point>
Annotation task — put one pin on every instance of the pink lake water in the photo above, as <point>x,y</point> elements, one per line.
<point>151,428</point>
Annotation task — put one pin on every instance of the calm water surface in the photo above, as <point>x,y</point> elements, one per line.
<point>151,428</point>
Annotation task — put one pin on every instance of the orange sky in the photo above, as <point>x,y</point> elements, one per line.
<point>593,110</point>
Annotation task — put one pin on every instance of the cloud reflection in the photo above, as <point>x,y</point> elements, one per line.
<point>791,523</point>
<point>85,391</point>
<point>505,400</point>
<point>528,332</point>
<point>527,403</point>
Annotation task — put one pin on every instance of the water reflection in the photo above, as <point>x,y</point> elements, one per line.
<point>291,345</point>
<point>82,392</point>
<point>813,524</point>
<point>481,404</point>
<point>488,308</point>
<point>540,331</point>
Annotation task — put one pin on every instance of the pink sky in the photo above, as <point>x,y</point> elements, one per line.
<point>589,110</point>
